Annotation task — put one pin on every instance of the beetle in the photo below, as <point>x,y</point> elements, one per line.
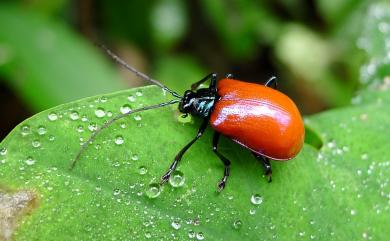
<point>257,117</point>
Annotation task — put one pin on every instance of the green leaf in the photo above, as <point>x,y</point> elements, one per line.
<point>336,191</point>
<point>46,63</point>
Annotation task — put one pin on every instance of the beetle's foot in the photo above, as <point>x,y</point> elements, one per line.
<point>165,178</point>
<point>221,185</point>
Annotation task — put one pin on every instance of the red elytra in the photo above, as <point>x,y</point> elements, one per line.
<point>259,118</point>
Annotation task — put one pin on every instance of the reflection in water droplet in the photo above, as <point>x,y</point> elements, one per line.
<point>237,224</point>
<point>153,190</point>
<point>176,224</point>
<point>25,130</point>
<point>125,109</point>
<point>30,161</point>
<point>119,140</point>
<point>142,170</point>
<point>36,143</point>
<point>74,115</point>
<point>100,112</point>
<point>199,236</point>
<point>177,179</point>
<point>41,130</point>
<point>52,116</point>
<point>256,199</point>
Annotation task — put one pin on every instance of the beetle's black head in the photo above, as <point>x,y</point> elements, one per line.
<point>185,105</point>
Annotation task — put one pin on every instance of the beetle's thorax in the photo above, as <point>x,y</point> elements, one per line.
<point>199,103</point>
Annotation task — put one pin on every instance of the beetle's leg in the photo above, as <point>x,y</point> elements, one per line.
<point>178,157</point>
<point>226,162</point>
<point>229,76</point>
<point>194,86</point>
<point>266,164</point>
<point>272,81</point>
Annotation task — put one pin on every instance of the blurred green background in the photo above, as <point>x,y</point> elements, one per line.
<point>48,54</point>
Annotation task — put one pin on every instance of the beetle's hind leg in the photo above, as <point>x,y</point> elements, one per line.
<point>226,162</point>
<point>266,165</point>
<point>212,76</point>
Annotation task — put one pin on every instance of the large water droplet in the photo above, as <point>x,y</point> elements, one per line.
<point>191,234</point>
<point>131,98</point>
<point>138,93</point>
<point>153,190</point>
<point>177,179</point>
<point>125,109</point>
<point>52,116</point>
<point>200,236</point>
<point>29,161</point>
<point>103,99</point>
<point>41,130</point>
<point>142,170</point>
<point>25,130</point>
<point>116,192</point>
<point>100,112</point>
<point>36,143</point>
<point>119,140</point>
<point>237,224</point>
<point>74,115</point>
<point>256,199</point>
<point>176,224</point>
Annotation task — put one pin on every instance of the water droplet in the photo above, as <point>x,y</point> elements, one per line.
<point>177,179</point>
<point>138,93</point>
<point>142,170</point>
<point>100,112</point>
<point>237,224</point>
<point>199,236</point>
<point>3,151</point>
<point>116,192</point>
<point>134,157</point>
<point>153,190</point>
<point>353,212</point>
<point>301,234</point>
<point>29,161</point>
<point>103,99</point>
<point>252,211</point>
<point>119,140</point>
<point>80,128</point>
<point>256,199</point>
<point>92,126</point>
<point>364,156</point>
<point>148,235</point>
<point>52,138</point>
<point>74,115</point>
<point>191,234</point>
<point>52,116</point>
<point>125,109</point>
<point>25,130</point>
<point>137,117</point>
<point>176,224</point>
<point>41,130</point>
<point>36,143</point>
<point>131,98</point>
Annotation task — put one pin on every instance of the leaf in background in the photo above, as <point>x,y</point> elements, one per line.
<point>46,63</point>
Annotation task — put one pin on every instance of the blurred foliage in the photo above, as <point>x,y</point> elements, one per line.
<point>47,55</point>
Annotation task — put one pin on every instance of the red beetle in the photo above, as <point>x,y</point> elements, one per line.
<point>258,117</point>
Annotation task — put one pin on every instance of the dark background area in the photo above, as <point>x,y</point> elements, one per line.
<point>48,54</point>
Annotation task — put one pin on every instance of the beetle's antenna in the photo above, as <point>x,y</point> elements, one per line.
<point>109,122</point>
<point>137,72</point>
